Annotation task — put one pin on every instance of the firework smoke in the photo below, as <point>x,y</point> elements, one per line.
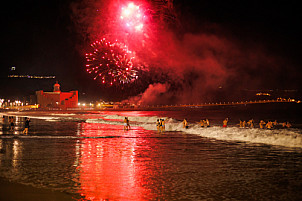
<point>207,67</point>
<point>198,67</point>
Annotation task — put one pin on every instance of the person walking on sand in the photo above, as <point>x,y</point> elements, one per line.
<point>25,131</point>
<point>225,122</point>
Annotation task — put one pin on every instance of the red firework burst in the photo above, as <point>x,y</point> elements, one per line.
<point>111,62</point>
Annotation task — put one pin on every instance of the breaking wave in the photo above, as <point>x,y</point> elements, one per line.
<point>281,137</point>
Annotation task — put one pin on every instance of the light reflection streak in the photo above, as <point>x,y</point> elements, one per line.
<point>17,146</point>
<point>107,167</point>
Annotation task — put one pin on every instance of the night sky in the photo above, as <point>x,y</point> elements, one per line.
<point>44,38</point>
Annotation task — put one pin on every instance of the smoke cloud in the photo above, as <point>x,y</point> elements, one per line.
<point>198,67</point>
<point>152,96</point>
<point>207,67</point>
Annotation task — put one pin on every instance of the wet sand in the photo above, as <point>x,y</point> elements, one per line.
<point>10,191</point>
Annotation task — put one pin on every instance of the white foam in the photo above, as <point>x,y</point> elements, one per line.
<point>63,114</point>
<point>144,119</point>
<point>52,117</point>
<point>282,137</point>
<point>103,121</point>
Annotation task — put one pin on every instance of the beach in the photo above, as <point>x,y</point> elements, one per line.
<point>87,155</point>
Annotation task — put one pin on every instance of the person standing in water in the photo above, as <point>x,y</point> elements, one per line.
<point>162,123</point>
<point>126,123</point>
<point>225,122</point>
<point>240,124</point>
<point>185,123</point>
<point>269,125</point>
<point>25,131</point>
<point>250,123</point>
<point>244,124</point>
<point>201,123</point>
<point>12,123</point>
<point>207,123</point>
<point>288,125</point>
<point>261,124</point>
<point>158,125</point>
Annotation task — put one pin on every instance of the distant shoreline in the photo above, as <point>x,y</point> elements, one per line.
<point>159,107</point>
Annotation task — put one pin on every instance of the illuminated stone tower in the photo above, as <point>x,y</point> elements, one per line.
<point>56,87</point>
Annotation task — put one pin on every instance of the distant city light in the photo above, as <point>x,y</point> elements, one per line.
<point>32,76</point>
<point>262,94</point>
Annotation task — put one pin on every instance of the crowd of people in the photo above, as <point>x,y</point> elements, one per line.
<point>160,124</point>
<point>204,123</point>
<point>262,124</point>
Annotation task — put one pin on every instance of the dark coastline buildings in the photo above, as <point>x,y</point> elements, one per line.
<point>57,99</point>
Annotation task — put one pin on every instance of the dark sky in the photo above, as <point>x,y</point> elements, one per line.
<point>39,38</point>
<point>275,24</point>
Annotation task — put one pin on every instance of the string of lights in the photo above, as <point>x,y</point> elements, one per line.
<point>32,76</point>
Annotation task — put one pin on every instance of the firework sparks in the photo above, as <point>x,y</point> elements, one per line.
<point>111,63</point>
<point>133,17</point>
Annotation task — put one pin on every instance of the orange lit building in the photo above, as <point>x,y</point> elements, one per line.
<point>57,99</point>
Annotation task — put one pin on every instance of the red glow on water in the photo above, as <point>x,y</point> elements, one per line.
<point>107,166</point>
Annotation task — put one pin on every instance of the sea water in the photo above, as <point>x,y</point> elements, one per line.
<point>90,156</point>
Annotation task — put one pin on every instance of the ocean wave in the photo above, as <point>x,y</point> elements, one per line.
<point>281,137</point>
<point>145,119</point>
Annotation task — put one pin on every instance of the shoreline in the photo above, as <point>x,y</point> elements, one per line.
<point>225,105</point>
<point>12,191</point>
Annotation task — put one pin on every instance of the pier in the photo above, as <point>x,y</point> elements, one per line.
<point>200,105</point>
